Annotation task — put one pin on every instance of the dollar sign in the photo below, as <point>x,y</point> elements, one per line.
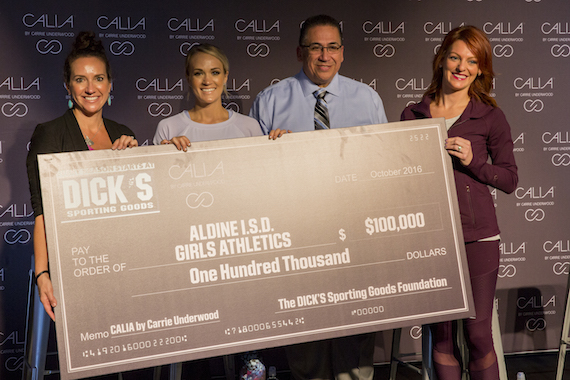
<point>341,234</point>
<point>369,226</point>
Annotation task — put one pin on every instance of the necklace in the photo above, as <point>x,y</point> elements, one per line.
<point>90,142</point>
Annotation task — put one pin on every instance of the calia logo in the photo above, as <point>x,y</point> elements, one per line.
<point>232,106</point>
<point>502,28</point>
<point>21,236</point>
<point>440,27</point>
<point>382,27</point>
<point>258,50</point>
<point>560,268</point>
<point>190,25</point>
<point>159,109</point>
<point>503,51</point>
<point>14,109</point>
<point>519,139</point>
<point>233,87</point>
<point>533,105</point>
<point>557,28</point>
<point>47,21</point>
<point>205,199</point>
<point>559,51</point>
<point>559,246</point>
<point>120,23</point>
<point>13,84</point>
<point>557,137</point>
<point>507,271</point>
<point>122,48</point>
<point>256,26</point>
<point>561,159</point>
<point>44,46</point>
<point>186,46</point>
<point>534,193</point>
<point>14,363</point>
<point>416,332</point>
<point>533,83</point>
<point>416,84</point>
<point>534,324</point>
<point>156,84</point>
<point>384,51</point>
<point>196,170</point>
<point>534,215</point>
<point>511,249</point>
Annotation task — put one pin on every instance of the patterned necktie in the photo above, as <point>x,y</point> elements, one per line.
<point>321,110</point>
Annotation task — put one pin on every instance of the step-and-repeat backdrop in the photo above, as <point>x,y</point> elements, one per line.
<point>389,45</point>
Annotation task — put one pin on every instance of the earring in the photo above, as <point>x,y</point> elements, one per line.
<point>70,104</point>
<point>109,100</point>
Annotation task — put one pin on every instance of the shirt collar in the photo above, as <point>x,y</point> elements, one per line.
<point>308,87</point>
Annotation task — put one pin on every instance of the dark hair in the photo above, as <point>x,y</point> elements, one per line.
<point>85,45</point>
<point>319,20</point>
<point>479,44</point>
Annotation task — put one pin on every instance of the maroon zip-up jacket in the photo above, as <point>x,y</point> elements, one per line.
<point>490,135</point>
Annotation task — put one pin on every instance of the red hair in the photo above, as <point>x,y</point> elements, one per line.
<point>479,44</point>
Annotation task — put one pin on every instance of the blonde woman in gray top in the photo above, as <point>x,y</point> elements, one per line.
<point>207,70</point>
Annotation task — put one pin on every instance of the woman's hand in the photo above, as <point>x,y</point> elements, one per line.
<point>45,290</point>
<point>460,148</point>
<point>180,142</point>
<point>276,133</point>
<point>125,142</point>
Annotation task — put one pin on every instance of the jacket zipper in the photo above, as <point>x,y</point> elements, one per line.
<point>470,205</point>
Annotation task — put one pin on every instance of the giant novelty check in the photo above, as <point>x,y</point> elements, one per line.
<point>160,256</point>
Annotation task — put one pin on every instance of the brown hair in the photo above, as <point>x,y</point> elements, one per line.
<point>479,44</point>
<point>85,45</point>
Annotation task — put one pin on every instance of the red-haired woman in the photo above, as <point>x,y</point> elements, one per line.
<point>477,130</point>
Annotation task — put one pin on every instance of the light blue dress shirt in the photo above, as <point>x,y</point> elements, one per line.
<point>290,104</point>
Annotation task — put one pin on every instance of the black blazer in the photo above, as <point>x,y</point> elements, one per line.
<point>60,135</point>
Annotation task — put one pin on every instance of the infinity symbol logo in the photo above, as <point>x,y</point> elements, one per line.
<point>14,109</point>
<point>560,50</point>
<point>186,46</point>
<point>560,268</point>
<point>386,51</point>
<point>232,106</point>
<point>507,271</point>
<point>21,236</point>
<point>416,332</point>
<point>534,215</point>
<point>258,50</point>
<point>14,363</point>
<point>53,46</point>
<point>534,324</point>
<point>561,159</point>
<point>503,51</point>
<point>205,199</point>
<point>159,109</point>
<point>533,105</point>
<point>122,48</point>
<point>436,49</point>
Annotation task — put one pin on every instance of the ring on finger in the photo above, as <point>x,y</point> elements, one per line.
<point>459,148</point>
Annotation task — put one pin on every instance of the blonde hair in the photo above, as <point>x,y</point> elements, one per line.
<point>212,50</point>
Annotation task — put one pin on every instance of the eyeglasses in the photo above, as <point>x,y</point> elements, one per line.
<point>318,48</point>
